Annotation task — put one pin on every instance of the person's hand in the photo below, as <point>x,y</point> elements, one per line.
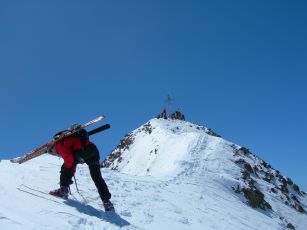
<point>51,150</point>
<point>79,160</point>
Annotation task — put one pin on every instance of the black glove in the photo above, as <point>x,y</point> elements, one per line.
<point>78,157</point>
<point>51,150</point>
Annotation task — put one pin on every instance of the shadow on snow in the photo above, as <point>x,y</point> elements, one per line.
<point>111,217</point>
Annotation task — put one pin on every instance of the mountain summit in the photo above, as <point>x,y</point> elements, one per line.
<point>166,174</point>
<point>183,153</point>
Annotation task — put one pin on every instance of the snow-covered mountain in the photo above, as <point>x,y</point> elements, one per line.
<point>227,185</point>
<point>168,174</point>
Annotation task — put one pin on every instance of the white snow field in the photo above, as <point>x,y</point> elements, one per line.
<point>167,174</point>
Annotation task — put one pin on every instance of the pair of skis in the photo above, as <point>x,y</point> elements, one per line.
<point>44,148</point>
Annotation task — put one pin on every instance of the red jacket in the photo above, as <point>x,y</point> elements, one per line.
<point>67,147</point>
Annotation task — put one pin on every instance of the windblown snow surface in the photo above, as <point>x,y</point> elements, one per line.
<point>167,174</point>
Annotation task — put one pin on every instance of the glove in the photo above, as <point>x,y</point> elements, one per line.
<point>78,159</point>
<point>51,150</point>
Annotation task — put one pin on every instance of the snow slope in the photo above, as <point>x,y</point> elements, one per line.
<point>197,159</point>
<point>168,174</point>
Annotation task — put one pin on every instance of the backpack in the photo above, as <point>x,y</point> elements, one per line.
<point>81,133</point>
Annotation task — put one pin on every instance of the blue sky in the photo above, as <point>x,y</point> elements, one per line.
<point>238,67</point>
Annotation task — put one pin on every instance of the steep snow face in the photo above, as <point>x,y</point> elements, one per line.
<point>185,152</point>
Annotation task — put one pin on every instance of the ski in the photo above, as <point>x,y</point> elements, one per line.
<point>46,195</point>
<point>44,148</point>
<point>99,129</point>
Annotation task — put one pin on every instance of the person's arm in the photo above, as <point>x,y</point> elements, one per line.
<point>52,151</point>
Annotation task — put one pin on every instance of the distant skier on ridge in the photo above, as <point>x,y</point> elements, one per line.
<point>76,149</point>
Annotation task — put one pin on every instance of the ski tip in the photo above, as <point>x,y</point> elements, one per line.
<point>101,117</point>
<point>14,160</point>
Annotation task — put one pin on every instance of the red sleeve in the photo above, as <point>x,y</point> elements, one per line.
<point>65,149</point>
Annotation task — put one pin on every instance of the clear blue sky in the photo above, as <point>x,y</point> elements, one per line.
<point>238,67</point>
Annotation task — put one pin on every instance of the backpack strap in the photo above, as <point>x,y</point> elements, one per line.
<point>83,134</point>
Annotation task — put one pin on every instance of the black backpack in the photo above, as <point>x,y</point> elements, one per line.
<point>83,135</point>
<point>80,133</point>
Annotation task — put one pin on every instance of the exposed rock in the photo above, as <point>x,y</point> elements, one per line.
<point>256,198</point>
<point>274,190</point>
<point>123,145</point>
<point>299,208</point>
<point>237,189</point>
<point>248,167</point>
<point>240,161</point>
<point>245,174</point>
<point>147,128</point>
<point>244,151</point>
<point>294,198</point>
<point>266,165</point>
<point>289,181</point>
<point>290,226</point>
<point>212,133</point>
<point>251,183</point>
<point>268,177</point>
<point>296,188</point>
<point>283,186</point>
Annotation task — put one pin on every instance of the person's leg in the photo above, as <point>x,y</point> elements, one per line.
<point>91,157</point>
<point>66,175</point>
<point>101,185</point>
<point>65,181</point>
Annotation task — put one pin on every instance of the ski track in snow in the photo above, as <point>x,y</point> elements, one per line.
<point>193,191</point>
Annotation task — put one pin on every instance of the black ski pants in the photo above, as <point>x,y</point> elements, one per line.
<point>90,156</point>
